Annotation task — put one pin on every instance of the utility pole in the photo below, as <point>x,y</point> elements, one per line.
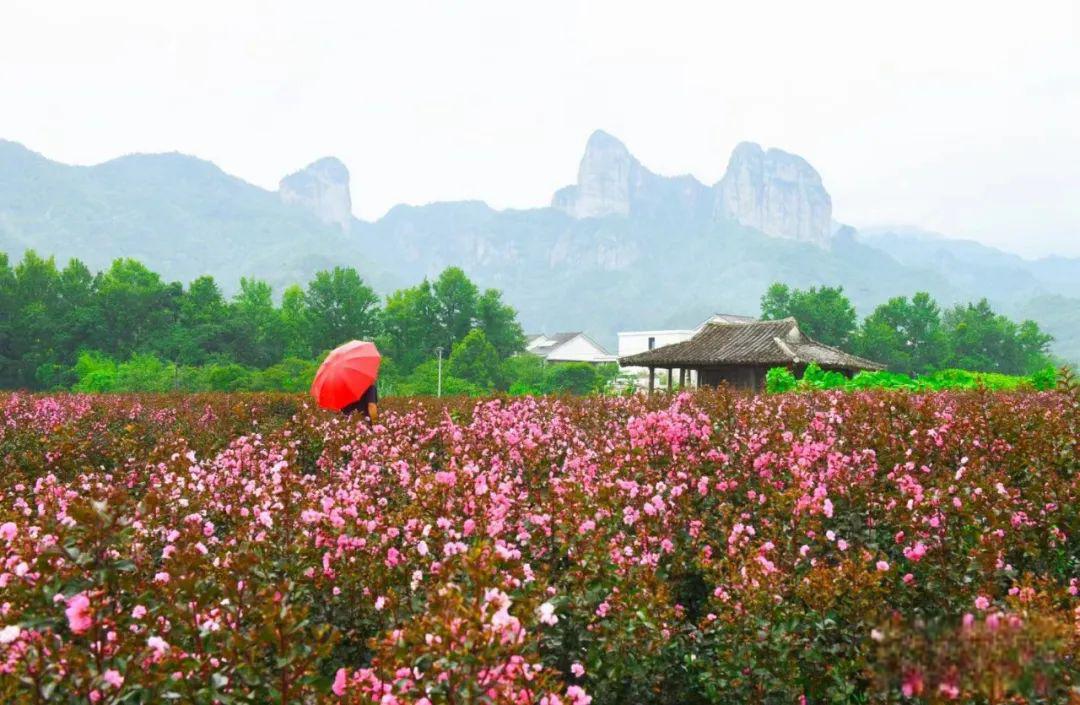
<point>439,351</point>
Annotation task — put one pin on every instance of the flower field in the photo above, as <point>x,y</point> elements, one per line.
<point>825,547</point>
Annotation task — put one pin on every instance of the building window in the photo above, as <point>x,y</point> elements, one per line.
<point>652,342</point>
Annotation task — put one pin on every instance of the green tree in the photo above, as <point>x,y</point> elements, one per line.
<point>424,381</point>
<point>296,323</point>
<point>410,330</point>
<point>341,307</point>
<point>96,372</point>
<point>76,324</point>
<point>255,325</point>
<point>475,360</point>
<point>776,302</point>
<point>145,373</point>
<point>523,374</point>
<point>983,340</point>
<point>8,352</point>
<point>138,308</point>
<point>825,314</point>
<point>35,323</point>
<point>906,335</point>
<point>150,334</point>
<point>289,375</point>
<point>571,378</point>
<point>455,310</point>
<point>203,323</point>
<point>499,323</point>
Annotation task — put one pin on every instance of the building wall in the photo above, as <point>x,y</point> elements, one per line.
<point>580,349</point>
<point>634,342</point>
<point>738,376</point>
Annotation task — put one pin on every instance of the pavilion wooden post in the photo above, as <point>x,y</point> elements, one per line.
<point>670,374</point>
<point>682,377</point>
<point>652,379</point>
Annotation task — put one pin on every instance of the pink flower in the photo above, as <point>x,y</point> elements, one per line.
<point>158,644</point>
<point>339,682</point>
<point>882,566</point>
<point>577,696</point>
<point>138,612</point>
<point>949,690</point>
<point>577,669</point>
<point>981,602</point>
<point>380,602</point>
<point>8,531</point>
<point>161,578</point>
<point>78,613</point>
<point>113,678</point>
<point>916,552</point>
<point>913,684</point>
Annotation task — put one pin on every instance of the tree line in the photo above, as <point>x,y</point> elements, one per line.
<point>915,336</point>
<point>127,329</point>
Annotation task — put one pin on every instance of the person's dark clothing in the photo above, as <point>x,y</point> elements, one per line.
<point>371,396</point>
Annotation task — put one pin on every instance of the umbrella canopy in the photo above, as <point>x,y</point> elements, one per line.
<point>346,374</point>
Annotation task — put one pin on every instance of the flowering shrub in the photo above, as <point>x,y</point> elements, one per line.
<point>708,547</point>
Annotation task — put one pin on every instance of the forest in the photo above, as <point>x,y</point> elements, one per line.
<point>127,329</point>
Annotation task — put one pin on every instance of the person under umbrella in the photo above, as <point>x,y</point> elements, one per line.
<point>346,380</point>
<point>367,404</point>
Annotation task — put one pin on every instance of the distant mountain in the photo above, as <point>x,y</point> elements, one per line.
<point>1046,290</point>
<point>322,188</point>
<point>777,193</point>
<point>622,248</point>
<point>974,265</point>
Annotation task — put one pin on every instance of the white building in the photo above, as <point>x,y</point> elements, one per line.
<point>638,341</point>
<point>568,347</point>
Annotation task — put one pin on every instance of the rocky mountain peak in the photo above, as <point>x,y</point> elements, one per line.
<point>605,175</point>
<point>321,187</point>
<point>775,192</point>
<point>612,182</point>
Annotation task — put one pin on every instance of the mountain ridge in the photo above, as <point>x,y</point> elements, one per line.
<point>644,250</point>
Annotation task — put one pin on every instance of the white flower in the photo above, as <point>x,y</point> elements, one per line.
<point>547,614</point>
<point>9,634</point>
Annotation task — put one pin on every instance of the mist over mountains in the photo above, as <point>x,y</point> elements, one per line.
<point>622,248</point>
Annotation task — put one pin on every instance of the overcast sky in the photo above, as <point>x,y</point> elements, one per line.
<point>960,117</point>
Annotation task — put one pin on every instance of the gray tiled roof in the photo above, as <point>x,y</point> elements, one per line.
<point>749,343</point>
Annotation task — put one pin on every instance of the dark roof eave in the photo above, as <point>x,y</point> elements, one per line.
<point>658,361</point>
<point>636,361</point>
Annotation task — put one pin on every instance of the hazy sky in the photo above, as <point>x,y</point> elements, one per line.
<point>962,117</point>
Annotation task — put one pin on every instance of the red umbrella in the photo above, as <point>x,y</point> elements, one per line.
<point>346,374</point>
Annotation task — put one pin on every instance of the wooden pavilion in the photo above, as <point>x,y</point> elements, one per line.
<point>739,353</point>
